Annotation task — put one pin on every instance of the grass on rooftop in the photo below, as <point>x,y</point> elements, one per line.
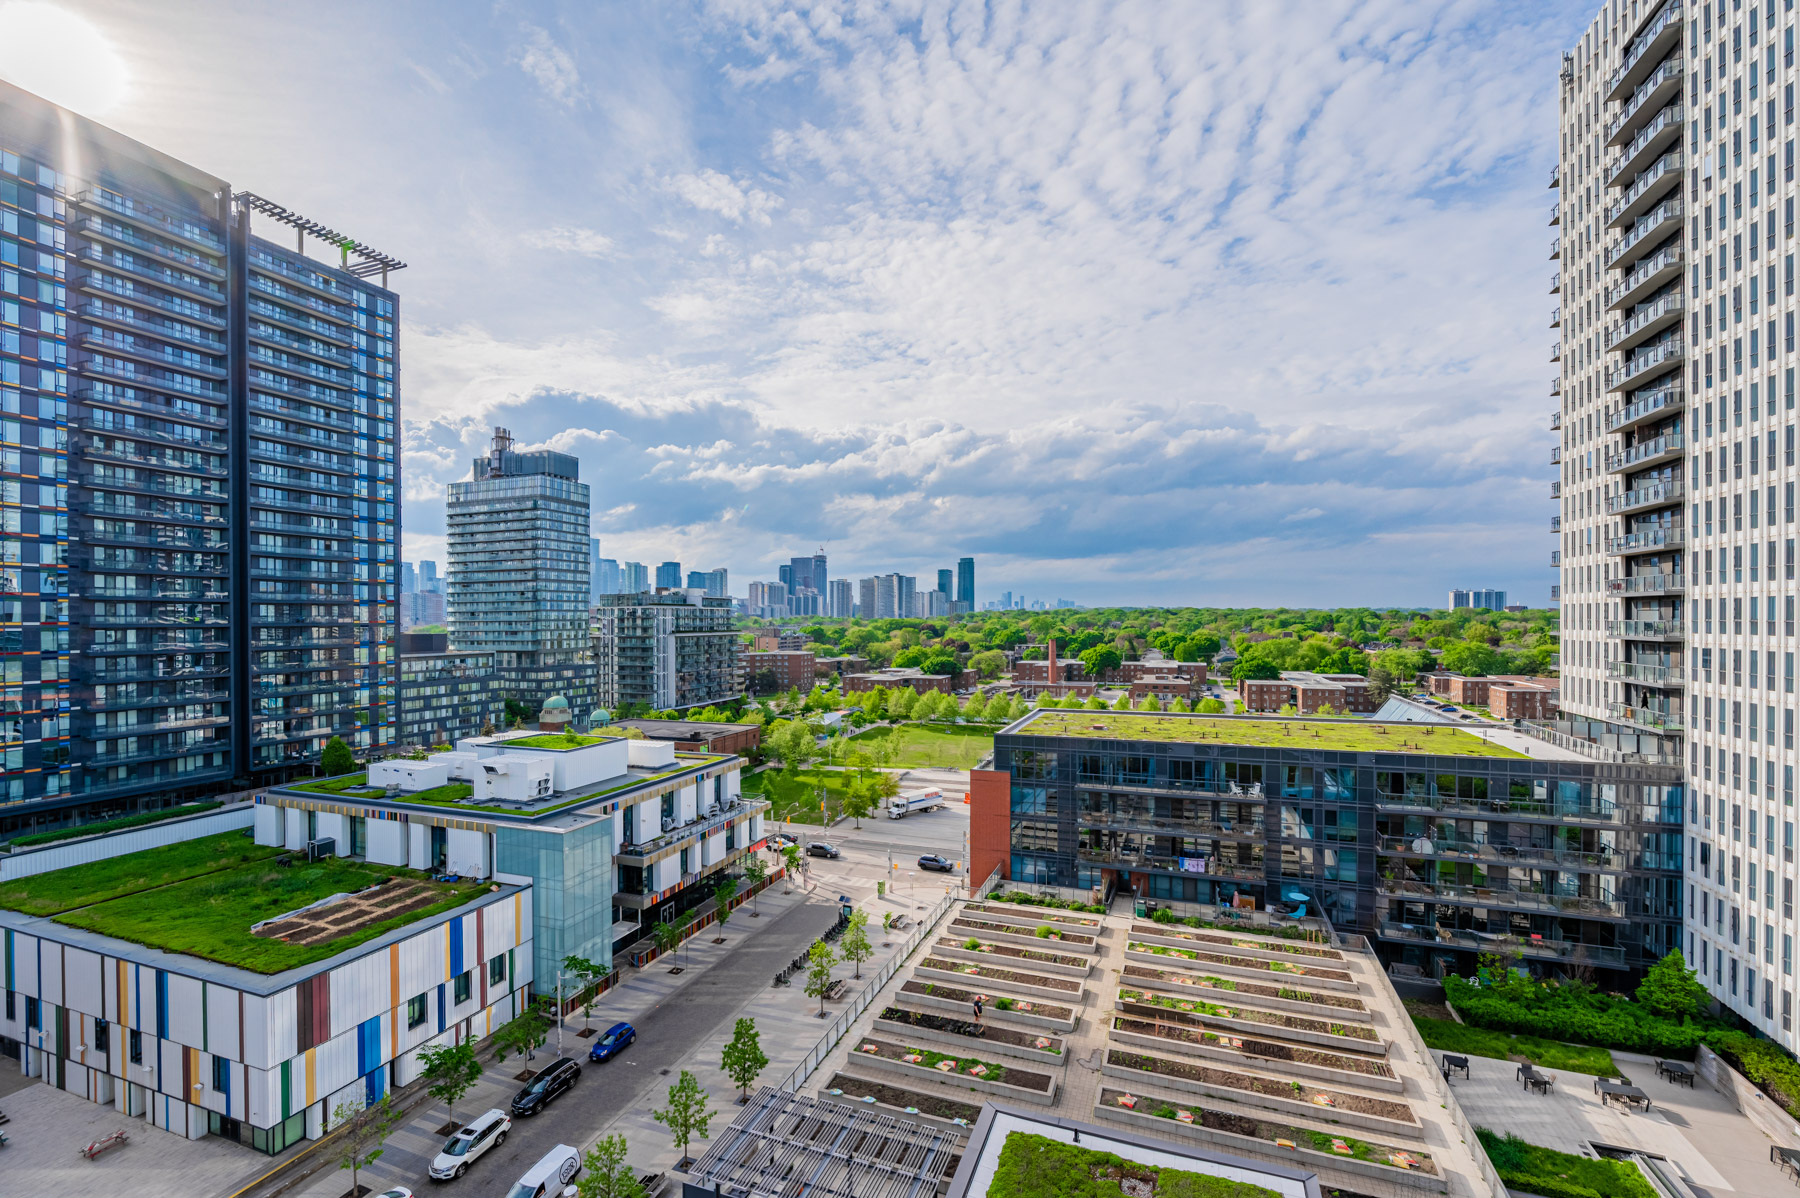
<point>1447,1035</point>
<point>340,786</point>
<point>97,881</point>
<point>556,740</point>
<point>210,916</point>
<point>1274,733</point>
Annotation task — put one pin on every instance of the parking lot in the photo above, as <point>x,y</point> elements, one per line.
<point>889,849</point>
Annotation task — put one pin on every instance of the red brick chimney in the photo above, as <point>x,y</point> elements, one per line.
<point>1051,676</point>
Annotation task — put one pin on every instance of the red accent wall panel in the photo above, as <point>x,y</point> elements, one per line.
<point>990,824</point>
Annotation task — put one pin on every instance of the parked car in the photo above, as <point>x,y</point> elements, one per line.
<point>933,861</point>
<point>612,1041</point>
<point>549,1176</point>
<point>396,1192</point>
<point>551,1081</point>
<point>485,1131</point>
<point>781,840</point>
<point>819,848</point>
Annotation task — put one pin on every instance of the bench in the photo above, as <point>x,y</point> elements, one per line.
<point>836,989</point>
<point>103,1143</point>
<point>1455,1062</point>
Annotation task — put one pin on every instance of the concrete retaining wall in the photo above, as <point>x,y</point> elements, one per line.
<point>27,862</point>
<point>1756,1106</point>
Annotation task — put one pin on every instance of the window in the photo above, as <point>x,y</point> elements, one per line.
<point>463,984</point>
<point>102,1037</point>
<point>134,1047</point>
<point>34,1015</point>
<point>497,970</point>
<point>221,1074</point>
<point>415,1011</point>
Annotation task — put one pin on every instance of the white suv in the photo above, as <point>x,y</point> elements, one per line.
<point>460,1150</point>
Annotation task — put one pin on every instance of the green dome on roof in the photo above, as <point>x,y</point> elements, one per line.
<point>557,703</point>
<point>599,717</point>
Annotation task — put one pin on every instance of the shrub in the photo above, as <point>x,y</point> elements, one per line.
<point>1043,933</point>
<point>972,944</point>
<point>1545,1171</point>
<point>1165,916</point>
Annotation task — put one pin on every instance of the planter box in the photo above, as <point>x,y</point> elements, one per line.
<point>921,1073</point>
<point>1286,1106</point>
<point>1000,985</point>
<point>1247,1060</point>
<point>1222,942</point>
<point>955,951</point>
<point>1249,1027</point>
<point>990,1013</point>
<point>951,1042</point>
<point>1007,913</point>
<point>1305,1157</point>
<point>1020,938</point>
<point>1291,1006</point>
<point>937,1121</point>
<point>1310,981</point>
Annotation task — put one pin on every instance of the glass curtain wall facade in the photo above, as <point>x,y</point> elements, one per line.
<point>197,512</point>
<point>670,650</point>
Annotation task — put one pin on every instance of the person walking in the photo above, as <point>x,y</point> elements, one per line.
<point>978,1014</point>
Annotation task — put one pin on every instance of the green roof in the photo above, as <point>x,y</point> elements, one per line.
<point>555,740</point>
<point>1265,732</point>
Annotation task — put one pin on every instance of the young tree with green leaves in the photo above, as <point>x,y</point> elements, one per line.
<point>667,935</point>
<point>859,799</point>
<point>451,1069</point>
<point>819,962</point>
<point>337,758</point>
<point>854,943</point>
<point>975,707</point>
<point>791,857</point>
<point>524,1034</point>
<point>605,1173</point>
<point>744,1058</point>
<point>686,1115</point>
<point>684,927</point>
<point>1671,990</point>
<point>1123,702</point>
<point>756,872</point>
<point>585,973</point>
<point>360,1144</point>
<point>723,893</point>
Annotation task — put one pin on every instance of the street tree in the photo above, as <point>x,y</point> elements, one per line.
<point>855,942</point>
<point>684,927</point>
<point>686,1115</point>
<point>756,872</point>
<point>667,935</point>
<point>525,1033</point>
<point>586,974</point>
<point>337,758</point>
<point>819,962</point>
<point>744,1058</point>
<point>365,1131</point>
<point>858,801</point>
<point>791,855</point>
<point>451,1069</point>
<point>723,893</point>
<point>605,1173</point>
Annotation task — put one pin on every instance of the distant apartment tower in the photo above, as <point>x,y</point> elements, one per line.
<point>594,567</point>
<point>200,565</point>
<point>636,578</point>
<point>409,578</point>
<point>609,579</point>
<point>428,578</point>
<point>420,607</point>
<point>842,603</point>
<point>945,584</point>
<point>1478,600</point>
<point>668,575</point>
<point>670,649</point>
<point>519,581</point>
<point>965,583</point>
<point>716,583</point>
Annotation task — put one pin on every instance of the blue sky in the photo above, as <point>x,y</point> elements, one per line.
<point>1139,302</point>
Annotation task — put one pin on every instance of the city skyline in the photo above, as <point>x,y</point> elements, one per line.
<point>727,414</point>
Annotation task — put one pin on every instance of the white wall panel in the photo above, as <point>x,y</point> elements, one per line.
<point>269,829</point>
<point>268,1029</point>
<point>715,849</point>
<point>27,862</point>
<point>25,963</point>
<point>296,827</point>
<point>334,1063</point>
<point>262,1096</point>
<point>50,977</point>
<point>466,853</point>
<point>358,991</point>
<point>81,981</point>
<point>418,846</point>
<point>184,1010</point>
<point>222,1034</point>
<point>386,841</point>
<point>335,826</point>
<point>423,964</point>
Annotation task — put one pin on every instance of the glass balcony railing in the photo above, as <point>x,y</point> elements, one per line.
<point>1650,40</point>
<point>1643,318</point>
<point>1644,629</point>
<point>1661,217</point>
<point>1669,72</point>
<point>1648,495</point>
<point>1662,172</point>
<point>1645,672</point>
<point>1648,584</point>
<point>1536,947</point>
<point>1658,719</point>
<point>1649,540</point>
<point>1667,122</point>
<point>1503,852</point>
<point>1550,900</point>
<point>1667,399</point>
<point>1644,451</point>
<point>1658,357</point>
<point>1667,259</point>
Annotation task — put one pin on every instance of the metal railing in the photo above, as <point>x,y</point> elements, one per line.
<point>864,998</point>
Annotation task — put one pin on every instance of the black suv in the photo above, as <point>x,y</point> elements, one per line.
<point>551,1081</point>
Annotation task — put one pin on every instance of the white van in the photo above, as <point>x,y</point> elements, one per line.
<point>547,1178</point>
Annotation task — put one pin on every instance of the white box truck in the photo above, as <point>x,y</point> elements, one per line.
<point>903,805</point>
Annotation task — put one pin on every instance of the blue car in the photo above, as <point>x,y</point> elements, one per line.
<point>612,1041</point>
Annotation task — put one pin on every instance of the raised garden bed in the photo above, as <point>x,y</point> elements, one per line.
<point>1317,977</point>
<point>1039,1167</point>
<point>1366,1072</point>
<point>965,1035</point>
<point>1275,998</point>
<point>1007,933</point>
<point>1349,1037</point>
<point>998,1007</point>
<point>1035,984</point>
<point>1042,961</point>
<point>1027,899</point>
<point>1007,912</point>
<point>1263,946</point>
<point>1266,1137</point>
<point>911,1103</point>
<point>1300,1099</point>
<point>955,1069</point>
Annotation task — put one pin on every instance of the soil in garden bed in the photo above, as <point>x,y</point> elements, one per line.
<point>1072,985</point>
<point>979,926</point>
<point>1226,940</point>
<point>1147,975</point>
<point>1266,1049</point>
<point>1326,1100</point>
<point>1153,1005</point>
<point>1278,967</point>
<point>954,1066</point>
<point>1023,954</point>
<point>976,1031</point>
<point>894,1096</point>
<point>1039,914</point>
<point>1276,1135</point>
<point>993,1002</point>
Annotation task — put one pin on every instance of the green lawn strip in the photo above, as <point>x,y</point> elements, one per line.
<point>99,881</point>
<point>344,785</point>
<point>210,917</point>
<point>1534,1170</point>
<point>917,746</point>
<point>1039,1167</point>
<point>1429,739</point>
<point>116,825</point>
<point>1447,1035</point>
<point>794,796</point>
<point>556,740</point>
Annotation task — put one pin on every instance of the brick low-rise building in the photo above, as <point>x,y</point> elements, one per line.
<point>700,736</point>
<point>1508,700</point>
<point>767,671</point>
<point>912,679</point>
<point>1164,688</point>
<point>842,667</point>
<point>1308,692</point>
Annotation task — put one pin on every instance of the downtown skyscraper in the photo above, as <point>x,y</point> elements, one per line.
<point>198,512</point>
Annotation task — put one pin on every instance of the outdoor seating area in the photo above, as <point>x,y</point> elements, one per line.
<point>1622,1092</point>
<point>1531,1079</point>
<point>1678,1072</point>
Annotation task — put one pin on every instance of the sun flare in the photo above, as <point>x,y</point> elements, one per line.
<point>61,56</point>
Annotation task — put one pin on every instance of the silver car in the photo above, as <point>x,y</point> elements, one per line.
<point>485,1131</point>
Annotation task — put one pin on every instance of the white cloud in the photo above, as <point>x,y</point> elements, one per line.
<point>710,191</point>
<point>551,66</point>
<point>568,239</point>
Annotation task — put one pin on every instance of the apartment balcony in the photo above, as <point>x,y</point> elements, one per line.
<point>1556,351</point>
<point>1665,402</point>
<point>1150,825</point>
<point>1650,719</point>
<point>329,417</point>
<point>1555,592</point>
<point>1649,142</point>
<point>127,346</point>
<point>1549,901</point>
<point>1649,228</point>
<point>1556,524</point>
<point>1555,215</point>
<point>1644,279</point>
<point>301,322</point>
<point>150,270</point>
<point>279,384</point>
<point>1555,558</point>
<point>1556,490</point>
<point>1646,51</point>
<point>1556,283</point>
<point>302,368</point>
<point>1646,365</point>
<point>109,313</point>
<point>127,291</point>
<point>1657,494</point>
<point>1657,180</point>
<point>1644,454</point>
<point>1556,388</point>
<point>1556,455</point>
<point>264,333</point>
<point>1534,947</point>
<point>278,291</point>
<point>1644,673</point>
<point>1646,322</point>
<point>1556,249</point>
<point>108,230</point>
<point>1556,175</point>
<point>1662,85</point>
<point>1481,848</point>
<point>1648,584</point>
<point>324,287</point>
<point>1556,318</point>
<point>1556,420</point>
<point>1649,540</point>
<point>1646,630</point>
<point>106,395</point>
<point>154,219</point>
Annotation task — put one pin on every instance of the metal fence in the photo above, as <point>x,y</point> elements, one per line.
<point>840,1026</point>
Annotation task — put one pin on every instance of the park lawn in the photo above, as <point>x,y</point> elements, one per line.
<point>1532,1169</point>
<point>210,916</point>
<point>1447,1035</point>
<point>915,746</point>
<point>1271,732</point>
<point>794,797</point>
<point>99,881</point>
